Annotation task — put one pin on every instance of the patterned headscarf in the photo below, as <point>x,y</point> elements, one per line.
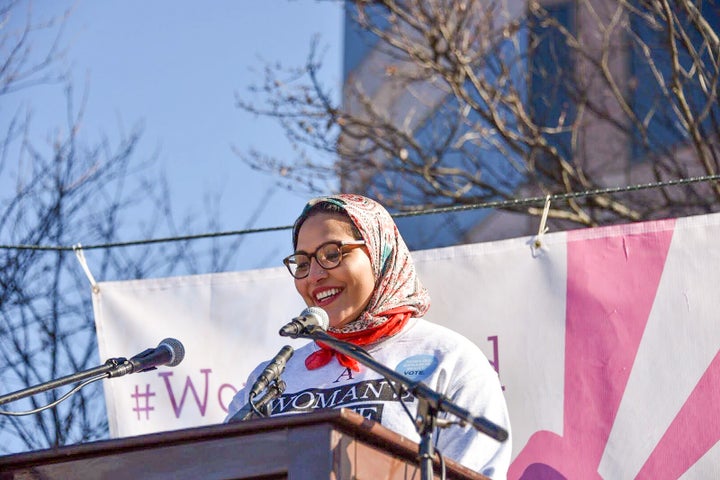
<point>397,287</point>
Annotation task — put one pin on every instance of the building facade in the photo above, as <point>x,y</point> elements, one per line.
<point>594,78</point>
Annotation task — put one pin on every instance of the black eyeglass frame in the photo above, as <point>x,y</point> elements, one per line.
<point>341,246</point>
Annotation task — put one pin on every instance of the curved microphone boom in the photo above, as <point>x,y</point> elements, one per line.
<point>311,317</point>
<point>169,352</point>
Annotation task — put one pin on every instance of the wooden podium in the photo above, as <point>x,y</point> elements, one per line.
<point>331,444</point>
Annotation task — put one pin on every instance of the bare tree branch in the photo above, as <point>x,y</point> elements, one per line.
<point>64,191</point>
<point>461,102</point>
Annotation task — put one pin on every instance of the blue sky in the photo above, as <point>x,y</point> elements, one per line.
<point>175,66</point>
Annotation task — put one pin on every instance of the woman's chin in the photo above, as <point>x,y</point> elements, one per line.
<point>338,323</point>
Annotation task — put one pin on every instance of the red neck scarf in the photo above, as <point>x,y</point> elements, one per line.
<point>397,318</point>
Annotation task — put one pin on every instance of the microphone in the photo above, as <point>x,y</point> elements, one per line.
<point>169,352</point>
<point>311,317</point>
<point>273,370</point>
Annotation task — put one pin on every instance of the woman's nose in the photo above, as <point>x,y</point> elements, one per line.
<point>316,270</point>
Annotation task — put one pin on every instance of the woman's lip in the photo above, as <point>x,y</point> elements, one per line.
<point>324,300</point>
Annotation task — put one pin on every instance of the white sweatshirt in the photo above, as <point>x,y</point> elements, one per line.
<point>444,360</point>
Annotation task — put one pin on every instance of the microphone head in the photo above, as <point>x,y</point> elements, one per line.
<point>285,353</point>
<point>319,315</point>
<point>177,351</point>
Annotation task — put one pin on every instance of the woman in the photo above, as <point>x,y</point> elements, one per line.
<point>351,261</point>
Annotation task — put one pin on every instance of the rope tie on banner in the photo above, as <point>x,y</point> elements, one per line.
<point>543,229</point>
<point>77,248</point>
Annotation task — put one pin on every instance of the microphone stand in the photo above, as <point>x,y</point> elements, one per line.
<point>251,409</point>
<point>430,402</point>
<point>112,368</point>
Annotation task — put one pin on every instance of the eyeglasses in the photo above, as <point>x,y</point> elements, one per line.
<point>328,256</point>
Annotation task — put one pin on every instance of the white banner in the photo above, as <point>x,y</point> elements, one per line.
<point>606,341</point>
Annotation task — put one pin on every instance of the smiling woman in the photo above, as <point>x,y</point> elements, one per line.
<point>343,287</point>
<point>351,261</point>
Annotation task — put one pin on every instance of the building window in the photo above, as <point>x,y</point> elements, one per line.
<point>652,78</point>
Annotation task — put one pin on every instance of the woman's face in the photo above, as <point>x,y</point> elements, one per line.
<point>344,291</point>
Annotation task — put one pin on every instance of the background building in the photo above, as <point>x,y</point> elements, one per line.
<point>596,79</point>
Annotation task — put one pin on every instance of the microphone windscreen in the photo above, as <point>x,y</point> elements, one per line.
<point>321,316</point>
<point>176,350</point>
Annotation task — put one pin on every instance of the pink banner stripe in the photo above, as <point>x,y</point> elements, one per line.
<point>612,282</point>
<point>692,433</point>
